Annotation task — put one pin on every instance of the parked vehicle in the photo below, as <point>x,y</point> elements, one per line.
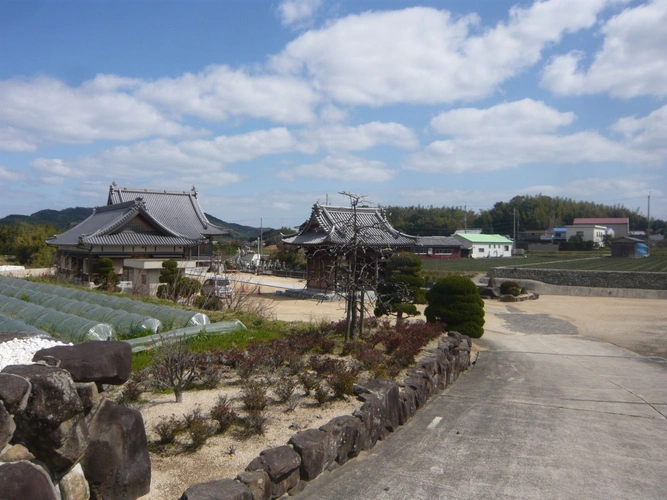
<point>217,287</point>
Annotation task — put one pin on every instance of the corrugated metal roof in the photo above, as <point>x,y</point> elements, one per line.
<point>437,241</point>
<point>483,238</point>
<point>178,210</point>
<point>335,226</point>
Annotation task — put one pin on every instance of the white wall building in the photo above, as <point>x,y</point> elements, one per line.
<point>485,245</point>
<point>588,232</point>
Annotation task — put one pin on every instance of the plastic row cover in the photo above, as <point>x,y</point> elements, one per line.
<point>151,341</point>
<point>126,325</point>
<point>58,324</point>
<point>11,325</point>
<point>171,317</point>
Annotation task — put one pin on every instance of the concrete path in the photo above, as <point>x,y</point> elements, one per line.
<point>543,415</point>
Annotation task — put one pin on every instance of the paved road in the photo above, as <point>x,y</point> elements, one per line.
<point>541,415</point>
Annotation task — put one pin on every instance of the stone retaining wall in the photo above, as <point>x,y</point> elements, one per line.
<point>577,278</point>
<point>61,438</point>
<point>386,406</point>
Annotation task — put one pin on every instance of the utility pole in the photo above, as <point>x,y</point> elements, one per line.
<point>514,224</point>
<point>648,228</point>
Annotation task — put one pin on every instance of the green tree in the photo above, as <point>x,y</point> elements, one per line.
<point>401,289</point>
<point>176,286</point>
<point>108,279</point>
<point>455,300</point>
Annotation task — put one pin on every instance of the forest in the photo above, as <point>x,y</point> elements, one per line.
<point>528,212</point>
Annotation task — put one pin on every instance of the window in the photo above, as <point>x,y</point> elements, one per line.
<point>480,250</point>
<point>143,279</point>
<point>444,251</point>
<point>507,248</point>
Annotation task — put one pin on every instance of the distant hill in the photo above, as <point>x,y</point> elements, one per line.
<point>59,219</point>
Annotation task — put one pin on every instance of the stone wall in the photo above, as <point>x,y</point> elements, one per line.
<point>61,438</point>
<point>578,278</point>
<point>386,406</point>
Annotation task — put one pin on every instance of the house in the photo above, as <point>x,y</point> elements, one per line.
<point>588,232</point>
<point>629,247</point>
<point>485,245</point>
<point>619,225</point>
<point>437,247</point>
<point>333,235</point>
<point>138,229</point>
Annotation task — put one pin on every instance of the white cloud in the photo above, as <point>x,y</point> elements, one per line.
<point>632,61</point>
<point>46,110</point>
<point>423,55</point>
<point>630,187</point>
<point>241,147</point>
<point>298,12</point>
<point>647,133</point>
<point>513,134</point>
<point>519,117</point>
<point>356,138</point>
<point>9,175</point>
<point>343,168</point>
<point>219,92</point>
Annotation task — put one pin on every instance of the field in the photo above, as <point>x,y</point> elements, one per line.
<point>591,261</point>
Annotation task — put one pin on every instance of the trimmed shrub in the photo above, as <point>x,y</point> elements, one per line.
<point>455,300</point>
<point>223,413</point>
<point>506,286</point>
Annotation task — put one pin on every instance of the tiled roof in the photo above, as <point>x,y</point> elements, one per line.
<point>601,221</point>
<point>104,227</point>
<point>178,210</point>
<point>329,225</point>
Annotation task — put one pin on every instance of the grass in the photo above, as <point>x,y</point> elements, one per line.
<point>596,260</point>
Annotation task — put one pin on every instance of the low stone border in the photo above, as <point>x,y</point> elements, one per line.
<point>386,406</point>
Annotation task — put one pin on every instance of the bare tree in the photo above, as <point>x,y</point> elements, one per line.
<point>174,366</point>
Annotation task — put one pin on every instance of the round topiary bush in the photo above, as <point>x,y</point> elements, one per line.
<point>505,287</point>
<point>455,301</point>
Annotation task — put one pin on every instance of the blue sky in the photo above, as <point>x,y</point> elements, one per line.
<point>268,107</point>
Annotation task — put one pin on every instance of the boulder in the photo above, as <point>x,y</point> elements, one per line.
<point>386,391</point>
<point>221,489</point>
<point>14,392</point>
<point>408,406</point>
<point>25,480</point>
<point>104,362</point>
<point>347,432</point>
<point>74,486</point>
<point>317,449</point>
<point>258,483</point>
<point>16,453</point>
<point>372,418</point>
<point>52,425</point>
<point>282,464</point>
<point>7,426</point>
<point>89,395</point>
<point>116,463</point>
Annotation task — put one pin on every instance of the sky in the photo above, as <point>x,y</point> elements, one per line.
<point>267,107</point>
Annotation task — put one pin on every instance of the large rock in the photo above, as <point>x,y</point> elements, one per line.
<point>7,426</point>
<point>282,464</point>
<point>24,480</point>
<point>104,362</point>
<point>74,485</point>
<point>317,450</point>
<point>372,417</point>
<point>258,483</point>
<point>14,392</point>
<point>116,463</point>
<point>348,434</point>
<point>386,391</point>
<point>52,425</point>
<point>221,489</point>
<point>408,406</point>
